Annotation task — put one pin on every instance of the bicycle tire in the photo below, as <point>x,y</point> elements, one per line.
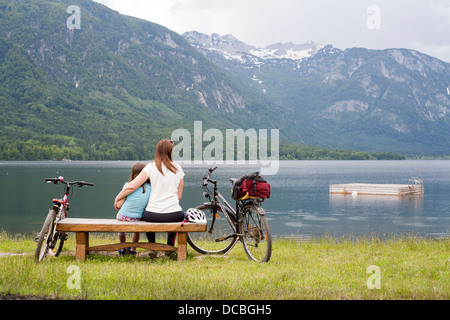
<point>206,243</point>
<point>44,236</point>
<point>257,239</point>
<point>59,242</point>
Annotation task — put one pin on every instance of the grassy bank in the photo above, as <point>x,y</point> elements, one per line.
<point>324,268</point>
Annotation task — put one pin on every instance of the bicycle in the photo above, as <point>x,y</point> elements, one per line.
<point>226,225</point>
<point>48,238</point>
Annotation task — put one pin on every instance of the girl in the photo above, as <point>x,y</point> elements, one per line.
<point>166,178</point>
<point>132,207</point>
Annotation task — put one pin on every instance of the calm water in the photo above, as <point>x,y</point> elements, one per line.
<point>300,205</point>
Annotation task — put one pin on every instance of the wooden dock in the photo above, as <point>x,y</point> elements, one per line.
<point>414,187</point>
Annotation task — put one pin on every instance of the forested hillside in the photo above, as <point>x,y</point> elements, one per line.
<point>114,87</point>
<point>109,90</point>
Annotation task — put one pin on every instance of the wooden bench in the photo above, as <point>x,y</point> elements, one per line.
<point>82,227</point>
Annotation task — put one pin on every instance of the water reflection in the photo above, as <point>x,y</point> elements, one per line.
<point>366,203</point>
<point>300,205</point>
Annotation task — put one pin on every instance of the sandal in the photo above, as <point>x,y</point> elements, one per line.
<point>125,251</point>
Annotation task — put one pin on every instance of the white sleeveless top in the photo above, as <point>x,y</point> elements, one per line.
<point>164,194</point>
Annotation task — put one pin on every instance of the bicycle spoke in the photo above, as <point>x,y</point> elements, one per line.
<point>45,236</point>
<point>220,236</point>
<point>257,239</point>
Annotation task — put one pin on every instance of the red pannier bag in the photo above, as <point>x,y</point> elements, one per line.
<point>250,186</point>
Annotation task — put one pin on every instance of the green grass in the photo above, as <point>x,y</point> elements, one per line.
<point>324,268</point>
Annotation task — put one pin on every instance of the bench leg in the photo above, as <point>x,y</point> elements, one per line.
<point>182,246</point>
<point>82,244</point>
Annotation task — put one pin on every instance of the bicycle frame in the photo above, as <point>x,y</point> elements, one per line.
<point>61,206</point>
<point>218,201</point>
<point>233,216</point>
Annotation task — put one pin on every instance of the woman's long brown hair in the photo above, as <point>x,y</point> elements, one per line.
<point>163,155</point>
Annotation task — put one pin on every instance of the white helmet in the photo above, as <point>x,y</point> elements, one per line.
<point>195,215</point>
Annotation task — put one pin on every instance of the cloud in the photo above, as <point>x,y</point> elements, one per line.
<point>423,25</point>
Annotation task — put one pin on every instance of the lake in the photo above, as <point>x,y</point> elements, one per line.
<point>300,205</point>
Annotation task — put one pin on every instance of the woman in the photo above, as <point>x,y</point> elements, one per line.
<point>166,178</point>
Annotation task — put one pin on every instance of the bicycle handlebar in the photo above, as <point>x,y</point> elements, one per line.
<point>61,179</point>
<point>207,176</point>
<point>212,169</point>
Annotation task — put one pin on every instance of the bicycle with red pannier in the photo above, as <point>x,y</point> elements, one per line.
<point>226,225</point>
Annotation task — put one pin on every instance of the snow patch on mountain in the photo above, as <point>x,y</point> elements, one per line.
<point>233,49</point>
<point>287,51</point>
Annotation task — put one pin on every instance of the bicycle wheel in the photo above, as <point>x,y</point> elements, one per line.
<point>60,237</point>
<point>257,239</point>
<point>58,242</point>
<point>219,237</point>
<point>45,236</point>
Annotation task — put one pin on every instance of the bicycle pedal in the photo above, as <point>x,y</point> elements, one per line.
<point>223,239</point>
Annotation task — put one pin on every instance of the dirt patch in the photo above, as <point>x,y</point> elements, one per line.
<point>7,254</point>
<point>10,296</point>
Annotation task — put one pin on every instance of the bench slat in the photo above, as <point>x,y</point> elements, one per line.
<point>143,245</point>
<point>113,225</point>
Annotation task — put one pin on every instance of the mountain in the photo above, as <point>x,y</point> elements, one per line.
<point>110,89</point>
<point>233,49</point>
<point>386,100</point>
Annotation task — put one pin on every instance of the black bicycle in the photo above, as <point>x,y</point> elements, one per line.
<point>226,225</point>
<point>48,239</point>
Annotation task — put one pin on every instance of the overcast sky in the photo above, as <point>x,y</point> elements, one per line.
<point>423,25</point>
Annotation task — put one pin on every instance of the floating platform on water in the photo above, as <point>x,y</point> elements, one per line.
<point>414,187</point>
